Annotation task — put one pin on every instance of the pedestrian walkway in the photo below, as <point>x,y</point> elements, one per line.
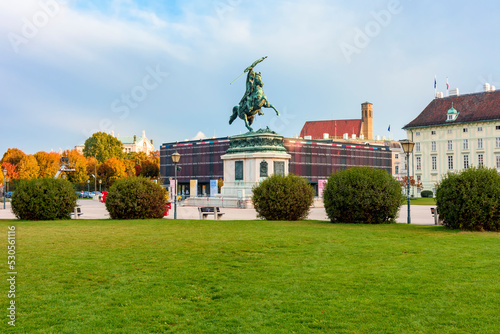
<point>93,209</point>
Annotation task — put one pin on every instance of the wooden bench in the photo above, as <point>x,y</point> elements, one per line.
<point>205,211</point>
<point>78,213</point>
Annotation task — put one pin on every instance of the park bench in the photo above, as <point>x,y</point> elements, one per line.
<point>77,213</point>
<point>205,211</point>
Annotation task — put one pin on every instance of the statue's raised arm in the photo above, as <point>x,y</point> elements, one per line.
<point>249,68</point>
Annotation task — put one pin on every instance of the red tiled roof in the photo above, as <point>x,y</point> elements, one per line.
<point>471,108</point>
<point>316,129</point>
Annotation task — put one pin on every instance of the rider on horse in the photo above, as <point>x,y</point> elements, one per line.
<point>253,99</point>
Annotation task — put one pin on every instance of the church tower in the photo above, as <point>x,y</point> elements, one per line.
<point>367,120</point>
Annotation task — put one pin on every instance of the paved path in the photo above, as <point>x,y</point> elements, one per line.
<point>93,209</point>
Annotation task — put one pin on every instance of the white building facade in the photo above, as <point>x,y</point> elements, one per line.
<point>455,133</point>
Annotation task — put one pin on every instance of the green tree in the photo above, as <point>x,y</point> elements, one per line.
<point>283,197</point>
<point>103,146</point>
<point>470,200</point>
<point>362,195</point>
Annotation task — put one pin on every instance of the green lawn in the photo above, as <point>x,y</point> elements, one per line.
<point>422,201</point>
<point>161,276</point>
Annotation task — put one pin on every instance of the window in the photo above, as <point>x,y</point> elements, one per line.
<point>396,170</point>
<point>450,162</point>
<point>417,147</point>
<point>450,131</point>
<point>466,144</point>
<point>433,132</point>
<point>498,161</point>
<point>465,130</point>
<point>433,146</point>
<point>479,129</point>
<point>466,161</point>
<point>417,134</point>
<point>480,160</point>
<point>450,144</point>
<point>450,117</point>
<point>480,143</point>
<point>419,163</point>
<point>497,142</point>
<point>396,156</point>
<point>434,163</point>
<point>497,127</point>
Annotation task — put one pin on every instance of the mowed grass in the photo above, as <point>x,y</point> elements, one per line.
<point>422,201</point>
<point>162,276</point>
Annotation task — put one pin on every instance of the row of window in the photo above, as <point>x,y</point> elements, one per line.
<point>466,163</point>
<point>465,144</point>
<point>464,130</point>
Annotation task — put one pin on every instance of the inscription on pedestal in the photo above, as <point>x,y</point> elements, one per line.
<point>263,168</point>
<point>238,170</point>
<point>279,168</point>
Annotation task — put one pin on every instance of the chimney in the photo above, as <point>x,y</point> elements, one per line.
<point>135,138</point>
<point>367,120</point>
<point>326,135</point>
<point>454,92</point>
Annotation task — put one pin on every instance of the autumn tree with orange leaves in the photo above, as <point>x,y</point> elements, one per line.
<point>111,170</point>
<point>48,163</point>
<point>28,168</point>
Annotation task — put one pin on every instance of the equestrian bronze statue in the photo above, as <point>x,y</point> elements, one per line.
<point>254,98</point>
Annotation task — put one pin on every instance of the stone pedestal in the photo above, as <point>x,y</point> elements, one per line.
<point>251,158</point>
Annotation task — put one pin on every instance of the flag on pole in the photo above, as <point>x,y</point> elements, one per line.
<point>435,82</point>
<point>389,128</point>
<point>447,85</point>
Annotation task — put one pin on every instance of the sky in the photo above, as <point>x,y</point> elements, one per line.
<point>71,68</point>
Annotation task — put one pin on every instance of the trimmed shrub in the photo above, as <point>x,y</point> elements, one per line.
<point>427,193</point>
<point>362,195</point>
<point>283,198</point>
<point>44,199</point>
<point>470,200</point>
<point>136,198</point>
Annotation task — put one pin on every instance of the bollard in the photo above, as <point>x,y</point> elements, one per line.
<point>75,213</point>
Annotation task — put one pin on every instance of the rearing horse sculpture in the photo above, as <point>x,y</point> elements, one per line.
<point>253,100</point>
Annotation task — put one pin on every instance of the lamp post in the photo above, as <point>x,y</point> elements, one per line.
<point>4,182</point>
<point>100,182</point>
<point>88,186</point>
<point>407,146</point>
<point>175,159</point>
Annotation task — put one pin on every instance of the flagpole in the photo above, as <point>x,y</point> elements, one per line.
<point>435,87</point>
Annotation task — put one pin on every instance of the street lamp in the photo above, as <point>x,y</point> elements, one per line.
<point>88,186</point>
<point>175,159</point>
<point>407,146</point>
<point>100,182</point>
<point>4,182</point>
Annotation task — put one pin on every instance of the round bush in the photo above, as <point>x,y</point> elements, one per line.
<point>427,193</point>
<point>470,200</point>
<point>362,195</point>
<point>136,198</point>
<point>283,198</point>
<point>44,199</point>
